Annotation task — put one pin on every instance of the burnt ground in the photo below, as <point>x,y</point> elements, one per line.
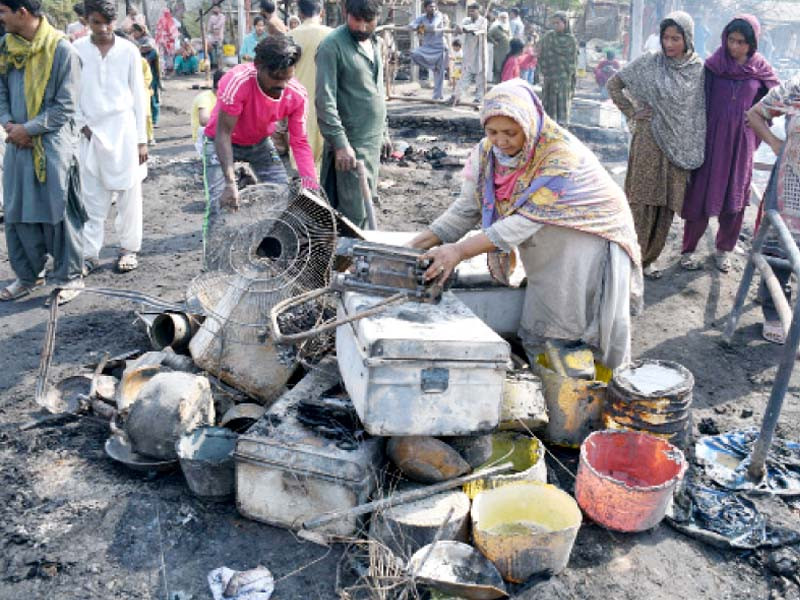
<point>75,525</point>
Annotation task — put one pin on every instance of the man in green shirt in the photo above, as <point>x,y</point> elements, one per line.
<point>351,110</point>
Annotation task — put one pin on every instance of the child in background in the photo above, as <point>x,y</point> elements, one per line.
<point>456,63</point>
<point>294,22</point>
<point>518,59</point>
<point>150,54</point>
<point>604,70</point>
<point>202,105</point>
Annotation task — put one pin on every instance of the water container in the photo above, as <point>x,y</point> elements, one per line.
<point>626,479</point>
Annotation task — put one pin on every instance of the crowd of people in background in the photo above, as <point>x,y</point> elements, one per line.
<point>79,110</point>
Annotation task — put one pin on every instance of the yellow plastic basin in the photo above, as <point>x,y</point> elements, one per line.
<point>525,529</point>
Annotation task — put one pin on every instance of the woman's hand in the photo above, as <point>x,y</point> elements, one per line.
<point>444,260</point>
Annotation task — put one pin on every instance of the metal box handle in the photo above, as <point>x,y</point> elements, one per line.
<point>434,380</point>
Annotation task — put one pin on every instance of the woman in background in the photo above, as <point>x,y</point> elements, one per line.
<point>662,95</point>
<point>737,77</point>
<point>558,62</point>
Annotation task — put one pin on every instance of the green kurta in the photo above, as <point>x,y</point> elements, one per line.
<point>350,110</point>
<point>557,66</point>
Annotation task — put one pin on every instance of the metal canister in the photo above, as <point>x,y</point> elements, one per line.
<point>652,396</point>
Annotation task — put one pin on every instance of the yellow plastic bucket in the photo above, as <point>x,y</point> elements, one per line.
<point>525,529</point>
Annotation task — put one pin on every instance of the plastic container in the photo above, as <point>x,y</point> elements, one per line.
<point>626,479</point>
<point>525,452</point>
<point>525,529</point>
<point>421,369</point>
<point>206,456</point>
<point>652,396</point>
<point>574,406</point>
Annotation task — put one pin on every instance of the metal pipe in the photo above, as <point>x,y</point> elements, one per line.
<point>781,263</point>
<point>744,286</point>
<point>787,241</point>
<point>775,290</point>
<point>755,472</point>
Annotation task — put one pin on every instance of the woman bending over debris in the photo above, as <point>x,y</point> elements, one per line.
<point>783,191</point>
<point>534,187</point>
<point>737,77</point>
<point>662,95</point>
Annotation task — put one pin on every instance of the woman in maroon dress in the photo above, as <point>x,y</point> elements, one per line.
<point>737,77</point>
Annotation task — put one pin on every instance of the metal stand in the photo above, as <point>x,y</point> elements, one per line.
<point>790,321</point>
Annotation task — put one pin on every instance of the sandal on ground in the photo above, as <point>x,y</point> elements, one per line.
<point>723,261</point>
<point>772,331</point>
<point>68,293</point>
<point>691,262</point>
<point>89,266</point>
<point>652,273</point>
<point>127,261</point>
<point>18,290</point>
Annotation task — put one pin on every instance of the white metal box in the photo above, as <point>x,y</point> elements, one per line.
<point>287,473</point>
<point>421,369</point>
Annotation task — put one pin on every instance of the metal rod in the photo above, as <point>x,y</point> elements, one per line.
<point>785,236</point>
<point>744,286</point>
<point>781,263</point>
<point>755,472</point>
<point>775,290</point>
<point>403,497</point>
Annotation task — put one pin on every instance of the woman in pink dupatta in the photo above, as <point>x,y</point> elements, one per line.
<point>535,189</point>
<point>166,34</point>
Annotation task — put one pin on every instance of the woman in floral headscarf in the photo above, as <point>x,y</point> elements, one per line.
<point>166,36</point>
<point>783,191</point>
<point>737,77</point>
<point>662,95</point>
<point>533,186</point>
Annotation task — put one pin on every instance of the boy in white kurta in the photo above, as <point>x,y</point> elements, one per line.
<point>112,115</point>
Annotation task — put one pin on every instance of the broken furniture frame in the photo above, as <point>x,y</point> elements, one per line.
<point>790,321</point>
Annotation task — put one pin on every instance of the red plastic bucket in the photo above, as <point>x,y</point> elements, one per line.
<point>626,479</point>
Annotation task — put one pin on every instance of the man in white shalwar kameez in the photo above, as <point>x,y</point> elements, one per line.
<point>475,58</point>
<point>112,115</point>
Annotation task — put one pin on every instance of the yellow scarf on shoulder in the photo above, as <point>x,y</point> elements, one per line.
<point>36,57</point>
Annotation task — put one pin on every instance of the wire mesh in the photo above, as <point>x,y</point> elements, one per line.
<point>280,243</point>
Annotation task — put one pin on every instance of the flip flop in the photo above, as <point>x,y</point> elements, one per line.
<point>723,261</point>
<point>127,262</point>
<point>691,262</point>
<point>652,273</point>
<point>17,290</point>
<point>68,293</point>
<point>89,265</point>
<point>772,331</point>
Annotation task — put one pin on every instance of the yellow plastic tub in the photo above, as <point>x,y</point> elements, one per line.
<point>525,529</point>
<point>524,451</point>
